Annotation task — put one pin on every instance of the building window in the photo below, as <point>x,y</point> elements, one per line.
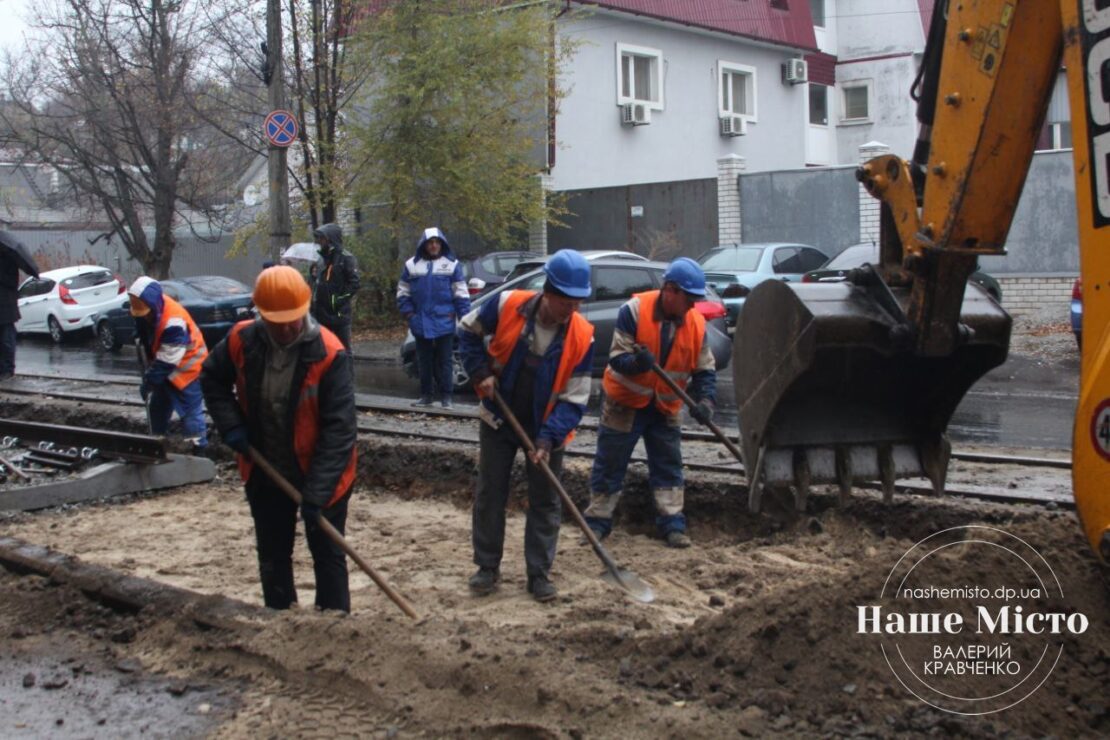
<point>639,75</point>
<point>736,90</point>
<point>857,103</point>
<point>818,104</point>
<point>817,10</point>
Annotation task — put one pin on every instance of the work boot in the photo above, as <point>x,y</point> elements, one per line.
<point>677,539</point>
<point>584,541</point>
<point>423,401</point>
<point>541,588</point>
<point>446,403</point>
<point>485,581</point>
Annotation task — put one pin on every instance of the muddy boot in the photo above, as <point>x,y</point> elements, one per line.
<point>677,539</point>
<point>423,401</point>
<point>541,588</point>
<point>484,581</point>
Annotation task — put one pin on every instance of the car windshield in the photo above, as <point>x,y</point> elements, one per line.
<point>215,286</point>
<point>88,279</point>
<point>738,260</point>
<point>853,257</point>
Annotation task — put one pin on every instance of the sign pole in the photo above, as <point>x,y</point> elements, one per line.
<point>280,227</point>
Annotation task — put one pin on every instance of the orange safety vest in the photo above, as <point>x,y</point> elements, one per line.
<point>306,417</point>
<point>188,369</point>
<point>510,324</point>
<point>636,391</point>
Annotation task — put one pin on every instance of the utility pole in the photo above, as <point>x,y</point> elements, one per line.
<point>280,227</point>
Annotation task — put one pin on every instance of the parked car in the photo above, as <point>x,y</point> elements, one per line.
<point>67,299</point>
<point>734,269</point>
<point>526,266</point>
<point>857,255</point>
<point>1077,311</point>
<point>489,271</point>
<point>614,280</point>
<point>216,303</point>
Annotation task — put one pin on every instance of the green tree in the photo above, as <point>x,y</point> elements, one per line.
<point>451,126</point>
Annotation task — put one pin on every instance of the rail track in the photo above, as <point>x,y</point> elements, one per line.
<point>81,390</point>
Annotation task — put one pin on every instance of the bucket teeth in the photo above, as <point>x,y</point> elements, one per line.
<point>886,472</point>
<point>801,479</point>
<point>844,473</point>
<point>755,485</point>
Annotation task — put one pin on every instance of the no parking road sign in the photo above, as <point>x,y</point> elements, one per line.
<point>280,128</point>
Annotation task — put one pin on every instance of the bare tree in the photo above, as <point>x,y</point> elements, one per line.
<point>110,97</point>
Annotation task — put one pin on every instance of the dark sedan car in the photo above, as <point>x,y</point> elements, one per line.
<point>614,281</point>
<point>216,303</point>
<point>836,269</point>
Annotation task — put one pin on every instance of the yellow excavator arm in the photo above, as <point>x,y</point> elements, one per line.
<point>860,379</point>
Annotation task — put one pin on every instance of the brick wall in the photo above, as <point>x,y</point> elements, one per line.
<point>1024,294</point>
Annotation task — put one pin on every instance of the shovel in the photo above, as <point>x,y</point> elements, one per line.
<point>626,579</point>
<point>690,402</point>
<point>332,533</point>
<point>142,372</point>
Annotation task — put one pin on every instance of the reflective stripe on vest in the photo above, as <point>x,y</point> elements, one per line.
<point>510,324</point>
<point>306,417</point>
<point>636,391</point>
<point>188,369</point>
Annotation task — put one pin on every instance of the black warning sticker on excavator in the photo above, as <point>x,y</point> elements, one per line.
<point>1094,35</point>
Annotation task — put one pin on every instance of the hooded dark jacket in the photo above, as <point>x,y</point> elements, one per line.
<point>9,289</point>
<point>336,280</point>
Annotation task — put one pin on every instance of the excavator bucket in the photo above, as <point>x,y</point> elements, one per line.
<point>830,390</point>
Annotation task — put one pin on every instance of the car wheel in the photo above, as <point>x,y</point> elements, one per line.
<point>107,337</point>
<point>462,377</point>
<point>55,329</point>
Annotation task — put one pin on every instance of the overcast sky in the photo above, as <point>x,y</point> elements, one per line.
<point>12,13</point>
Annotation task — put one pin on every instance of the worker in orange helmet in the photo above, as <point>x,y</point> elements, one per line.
<point>281,384</point>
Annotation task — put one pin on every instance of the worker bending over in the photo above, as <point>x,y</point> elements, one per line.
<point>282,385</point>
<point>653,327</point>
<point>173,349</point>
<point>539,359</point>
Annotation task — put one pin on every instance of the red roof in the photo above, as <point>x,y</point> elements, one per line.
<point>783,22</point>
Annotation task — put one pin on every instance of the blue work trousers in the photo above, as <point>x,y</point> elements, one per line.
<point>435,363</point>
<point>663,442</point>
<point>165,399</point>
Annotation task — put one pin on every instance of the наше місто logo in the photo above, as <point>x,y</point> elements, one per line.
<point>971,620</point>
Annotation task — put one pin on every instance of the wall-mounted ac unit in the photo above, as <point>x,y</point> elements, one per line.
<point>733,126</point>
<point>635,114</point>
<point>795,72</point>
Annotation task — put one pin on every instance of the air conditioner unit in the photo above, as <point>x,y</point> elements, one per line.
<point>795,72</point>
<point>733,126</point>
<point>635,114</point>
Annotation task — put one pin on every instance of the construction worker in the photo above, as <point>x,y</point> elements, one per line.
<point>174,349</point>
<point>282,385</point>
<point>655,327</point>
<point>336,283</point>
<point>539,360</point>
<point>431,295</point>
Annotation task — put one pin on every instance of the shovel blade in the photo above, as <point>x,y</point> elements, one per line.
<point>631,583</point>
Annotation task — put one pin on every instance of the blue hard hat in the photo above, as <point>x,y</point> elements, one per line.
<point>687,275</point>
<point>569,273</point>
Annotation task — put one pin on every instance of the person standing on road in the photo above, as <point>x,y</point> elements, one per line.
<point>9,313</point>
<point>282,384</point>
<point>336,283</point>
<point>657,326</point>
<point>539,359</point>
<point>173,347</point>
<point>431,294</point>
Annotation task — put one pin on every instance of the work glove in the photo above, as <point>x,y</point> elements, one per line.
<point>236,439</point>
<point>484,388</point>
<point>310,512</point>
<point>702,412</point>
<point>542,452</point>
<point>642,360</point>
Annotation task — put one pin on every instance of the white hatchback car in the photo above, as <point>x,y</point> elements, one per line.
<point>66,299</point>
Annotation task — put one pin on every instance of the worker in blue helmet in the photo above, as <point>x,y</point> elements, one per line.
<point>539,356</point>
<point>657,328</point>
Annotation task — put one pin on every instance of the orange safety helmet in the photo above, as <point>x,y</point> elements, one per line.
<point>281,294</point>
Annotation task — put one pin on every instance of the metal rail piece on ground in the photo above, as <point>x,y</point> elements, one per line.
<point>140,448</point>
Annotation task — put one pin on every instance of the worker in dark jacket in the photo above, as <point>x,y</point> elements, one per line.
<point>336,283</point>
<point>282,385</point>
<point>9,313</point>
<point>432,296</point>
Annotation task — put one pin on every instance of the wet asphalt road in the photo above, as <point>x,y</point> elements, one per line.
<point>1020,404</point>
